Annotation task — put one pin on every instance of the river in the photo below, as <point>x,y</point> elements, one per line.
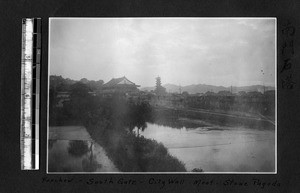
<point>217,148</point>
<point>211,148</point>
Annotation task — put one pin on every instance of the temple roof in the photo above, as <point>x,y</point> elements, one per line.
<point>119,81</point>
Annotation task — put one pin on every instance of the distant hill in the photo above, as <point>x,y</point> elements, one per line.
<point>203,88</point>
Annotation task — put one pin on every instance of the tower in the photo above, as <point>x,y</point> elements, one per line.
<point>158,83</point>
<point>159,90</point>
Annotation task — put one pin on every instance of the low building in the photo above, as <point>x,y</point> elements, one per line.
<point>61,98</point>
<point>64,96</point>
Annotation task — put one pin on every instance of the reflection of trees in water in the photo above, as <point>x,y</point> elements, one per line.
<point>197,170</point>
<point>139,114</point>
<point>51,143</point>
<point>90,164</point>
<point>139,127</point>
<point>78,148</point>
<point>80,157</point>
<point>174,122</point>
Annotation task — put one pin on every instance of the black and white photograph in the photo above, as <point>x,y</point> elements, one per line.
<point>162,95</point>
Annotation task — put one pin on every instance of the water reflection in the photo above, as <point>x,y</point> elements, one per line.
<point>78,148</point>
<point>217,148</point>
<point>72,156</point>
<point>50,143</point>
<point>71,149</point>
<point>179,123</point>
<point>90,164</point>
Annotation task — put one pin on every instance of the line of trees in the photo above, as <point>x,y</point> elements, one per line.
<point>58,84</point>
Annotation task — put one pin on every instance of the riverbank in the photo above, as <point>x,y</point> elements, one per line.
<point>217,148</point>
<point>110,122</point>
<point>131,153</point>
<point>174,114</point>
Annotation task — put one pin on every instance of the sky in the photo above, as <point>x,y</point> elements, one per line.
<point>182,51</point>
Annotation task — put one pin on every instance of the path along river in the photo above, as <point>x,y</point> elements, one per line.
<point>71,149</point>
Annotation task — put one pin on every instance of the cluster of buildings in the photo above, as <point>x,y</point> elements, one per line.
<point>224,100</point>
<point>120,86</point>
<point>117,86</point>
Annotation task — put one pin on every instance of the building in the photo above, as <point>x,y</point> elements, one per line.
<point>120,85</point>
<point>159,89</point>
<point>62,97</point>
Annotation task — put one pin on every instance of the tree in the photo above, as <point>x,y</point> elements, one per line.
<point>79,90</point>
<point>185,93</point>
<point>58,83</point>
<point>84,80</point>
<point>80,101</point>
<point>95,85</point>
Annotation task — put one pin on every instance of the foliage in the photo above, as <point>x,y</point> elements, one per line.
<point>79,90</point>
<point>58,83</point>
<point>78,148</point>
<point>135,154</point>
<point>110,121</point>
<point>197,170</point>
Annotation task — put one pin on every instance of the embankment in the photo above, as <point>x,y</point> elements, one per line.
<point>224,119</point>
<point>131,153</point>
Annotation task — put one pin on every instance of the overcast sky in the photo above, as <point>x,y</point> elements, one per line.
<point>183,51</point>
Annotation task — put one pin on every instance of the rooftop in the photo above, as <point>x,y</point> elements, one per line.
<point>119,81</point>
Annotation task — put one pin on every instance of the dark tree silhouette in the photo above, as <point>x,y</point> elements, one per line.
<point>78,148</point>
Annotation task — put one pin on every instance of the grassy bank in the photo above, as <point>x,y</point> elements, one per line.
<point>131,153</point>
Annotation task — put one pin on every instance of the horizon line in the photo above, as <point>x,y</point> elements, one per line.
<point>192,84</point>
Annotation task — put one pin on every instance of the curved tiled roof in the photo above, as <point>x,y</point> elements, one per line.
<point>115,81</point>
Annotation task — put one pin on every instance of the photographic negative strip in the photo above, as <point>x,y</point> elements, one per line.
<point>162,95</point>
